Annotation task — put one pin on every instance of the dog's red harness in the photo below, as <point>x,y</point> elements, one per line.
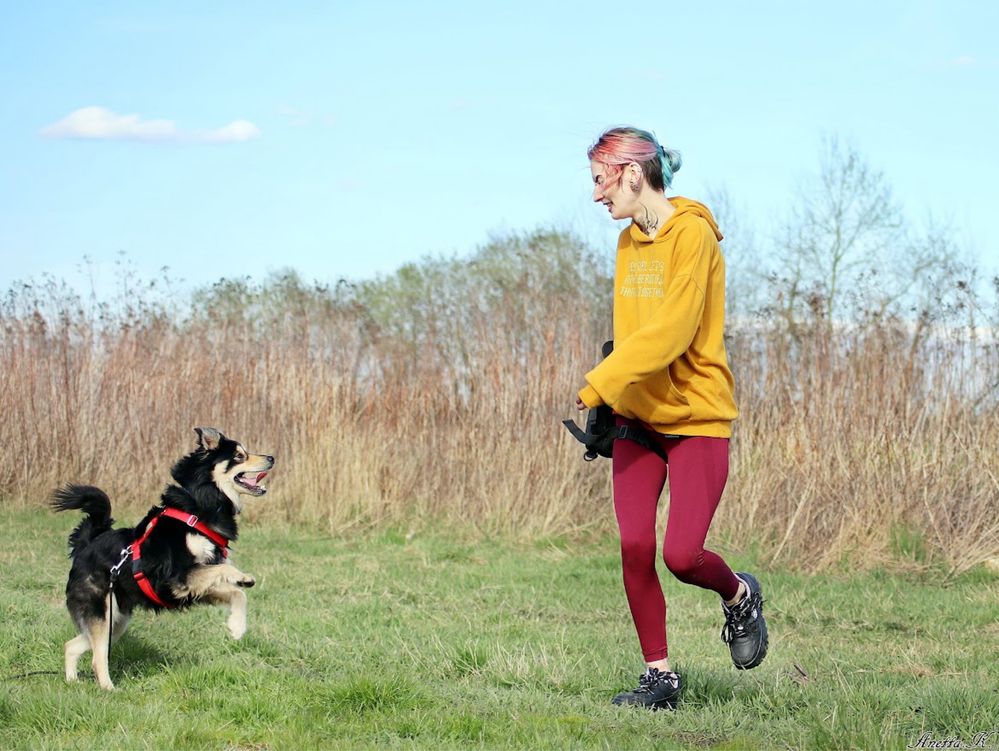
<point>191,521</point>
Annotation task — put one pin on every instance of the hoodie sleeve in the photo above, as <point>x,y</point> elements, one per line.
<point>669,332</point>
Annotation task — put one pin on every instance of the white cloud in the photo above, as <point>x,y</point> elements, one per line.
<point>103,124</point>
<point>97,122</point>
<point>235,132</point>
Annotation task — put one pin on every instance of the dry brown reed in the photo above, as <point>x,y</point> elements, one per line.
<point>866,446</point>
<point>434,397</point>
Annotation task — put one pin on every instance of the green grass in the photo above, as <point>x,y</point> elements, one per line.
<point>436,642</point>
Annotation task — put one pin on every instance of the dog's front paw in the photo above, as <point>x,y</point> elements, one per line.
<point>237,625</point>
<point>247,581</point>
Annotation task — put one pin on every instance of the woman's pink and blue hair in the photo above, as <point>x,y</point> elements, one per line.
<point>620,146</point>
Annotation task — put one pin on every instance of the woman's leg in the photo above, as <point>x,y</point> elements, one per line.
<point>639,477</point>
<point>698,469</point>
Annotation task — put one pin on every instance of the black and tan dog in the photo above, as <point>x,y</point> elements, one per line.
<point>177,556</point>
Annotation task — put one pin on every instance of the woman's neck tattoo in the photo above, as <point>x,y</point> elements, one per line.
<point>648,222</point>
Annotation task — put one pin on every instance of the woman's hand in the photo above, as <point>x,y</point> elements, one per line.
<point>579,404</point>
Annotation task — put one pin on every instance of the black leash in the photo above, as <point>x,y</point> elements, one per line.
<point>110,615</point>
<point>114,571</point>
<point>34,672</point>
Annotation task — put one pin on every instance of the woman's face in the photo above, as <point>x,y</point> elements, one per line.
<point>612,191</point>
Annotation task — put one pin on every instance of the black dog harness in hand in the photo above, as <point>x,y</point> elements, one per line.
<point>602,429</point>
<point>599,440</point>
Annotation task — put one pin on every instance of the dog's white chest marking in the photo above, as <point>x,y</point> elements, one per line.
<point>201,548</point>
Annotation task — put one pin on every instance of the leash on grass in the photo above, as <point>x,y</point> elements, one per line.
<point>34,672</point>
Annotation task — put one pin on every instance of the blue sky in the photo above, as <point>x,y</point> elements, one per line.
<point>344,139</point>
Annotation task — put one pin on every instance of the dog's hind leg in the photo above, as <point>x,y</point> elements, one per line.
<point>75,648</point>
<point>121,620</point>
<point>97,633</point>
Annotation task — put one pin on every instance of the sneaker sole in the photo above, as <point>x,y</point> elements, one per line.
<point>668,704</point>
<point>661,704</point>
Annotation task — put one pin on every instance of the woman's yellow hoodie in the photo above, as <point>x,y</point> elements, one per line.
<point>668,368</point>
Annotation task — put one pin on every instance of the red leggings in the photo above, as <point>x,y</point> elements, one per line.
<point>698,468</point>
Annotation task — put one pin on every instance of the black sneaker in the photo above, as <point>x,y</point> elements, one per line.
<point>656,690</point>
<point>745,629</point>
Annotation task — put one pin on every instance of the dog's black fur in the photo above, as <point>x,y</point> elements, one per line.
<point>183,566</point>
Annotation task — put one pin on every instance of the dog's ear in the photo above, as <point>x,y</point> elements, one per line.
<point>208,438</point>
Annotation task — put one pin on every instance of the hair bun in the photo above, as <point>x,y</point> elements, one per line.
<point>672,158</point>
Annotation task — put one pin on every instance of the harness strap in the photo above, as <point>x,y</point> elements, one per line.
<point>577,432</point>
<point>190,520</point>
<point>643,439</point>
<point>147,588</point>
<point>628,432</point>
<point>198,526</point>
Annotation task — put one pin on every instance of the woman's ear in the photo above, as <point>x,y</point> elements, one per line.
<point>634,176</point>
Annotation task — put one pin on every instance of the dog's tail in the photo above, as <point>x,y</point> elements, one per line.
<point>92,501</point>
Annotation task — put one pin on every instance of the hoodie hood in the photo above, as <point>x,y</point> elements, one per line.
<point>686,210</point>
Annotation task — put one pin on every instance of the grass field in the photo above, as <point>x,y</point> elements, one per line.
<point>435,641</point>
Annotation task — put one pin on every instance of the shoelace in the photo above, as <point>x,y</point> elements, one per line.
<point>652,678</point>
<point>739,616</point>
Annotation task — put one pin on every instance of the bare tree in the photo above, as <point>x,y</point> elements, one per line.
<point>843,228</point>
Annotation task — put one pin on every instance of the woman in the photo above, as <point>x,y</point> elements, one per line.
<point>668,374</point>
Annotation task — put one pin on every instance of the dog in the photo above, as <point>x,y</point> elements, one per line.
<point>176,557</point>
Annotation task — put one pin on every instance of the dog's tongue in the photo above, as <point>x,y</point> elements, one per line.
<point>247,480</point>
